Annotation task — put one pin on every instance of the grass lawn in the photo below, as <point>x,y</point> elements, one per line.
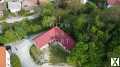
<point>15,61</point>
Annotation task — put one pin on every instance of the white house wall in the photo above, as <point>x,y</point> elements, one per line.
<point>1,1</point>
<point>7,59</point>
<point>14,6</point>
<point>84,1</point>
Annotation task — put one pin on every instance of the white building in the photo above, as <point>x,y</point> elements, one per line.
<point>2,7</point>
<point>14,6</point>
<point>1,1</point>
<point>84,1</point>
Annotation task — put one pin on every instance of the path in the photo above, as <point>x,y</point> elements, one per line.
<point>22,50</point>
<point>19,18</point>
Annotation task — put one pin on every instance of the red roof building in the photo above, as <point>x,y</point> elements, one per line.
<point>113,2</point>
<point>54,35</point>
<point>2,57</point>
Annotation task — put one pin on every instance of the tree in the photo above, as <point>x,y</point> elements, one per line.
<point>48,21</point>
<point>10,36</point>
<point>47,10</point>
<point>20,32</point>
<point>111,28</point>
<point>3,39</point>
<point>80,22</point>
<point>97,33</point>
<point>87,55</point>
<point>77,56</point>
<point>73,6</point>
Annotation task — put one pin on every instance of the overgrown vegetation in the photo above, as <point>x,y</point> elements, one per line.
<point>95,30</point>
<point>36,54</point>
<point>17,31</point>
<point>57,54</point>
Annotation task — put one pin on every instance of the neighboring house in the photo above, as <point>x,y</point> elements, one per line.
<point>14,6</point>
<point>30,4</point>
<point>1,1</point>
<point>112,3</point>
<point>4,57</point>
<point>54,35</point>
<point>42,2</point>
<point>84,1</point>
<point>2,7</point>
<point>17,5</point>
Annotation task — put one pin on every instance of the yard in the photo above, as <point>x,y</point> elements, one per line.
<point>57,54</point>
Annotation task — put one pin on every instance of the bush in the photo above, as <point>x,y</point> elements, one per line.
<point>15,61</point>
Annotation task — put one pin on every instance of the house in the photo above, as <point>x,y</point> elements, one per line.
<point>14,6</point>
<point>84,1</point>
<point>4,57</point>
<point>112,3</point>
<point>30,4</point>
<point>2,7</point>
<point>1,1</point>
<point>54,35</point>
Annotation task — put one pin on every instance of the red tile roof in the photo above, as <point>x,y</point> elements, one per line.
<point>113,2</point>
<point>2,57</point>
<point>54,34</point>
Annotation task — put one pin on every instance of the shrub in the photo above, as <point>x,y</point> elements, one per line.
<point>15,61</point>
